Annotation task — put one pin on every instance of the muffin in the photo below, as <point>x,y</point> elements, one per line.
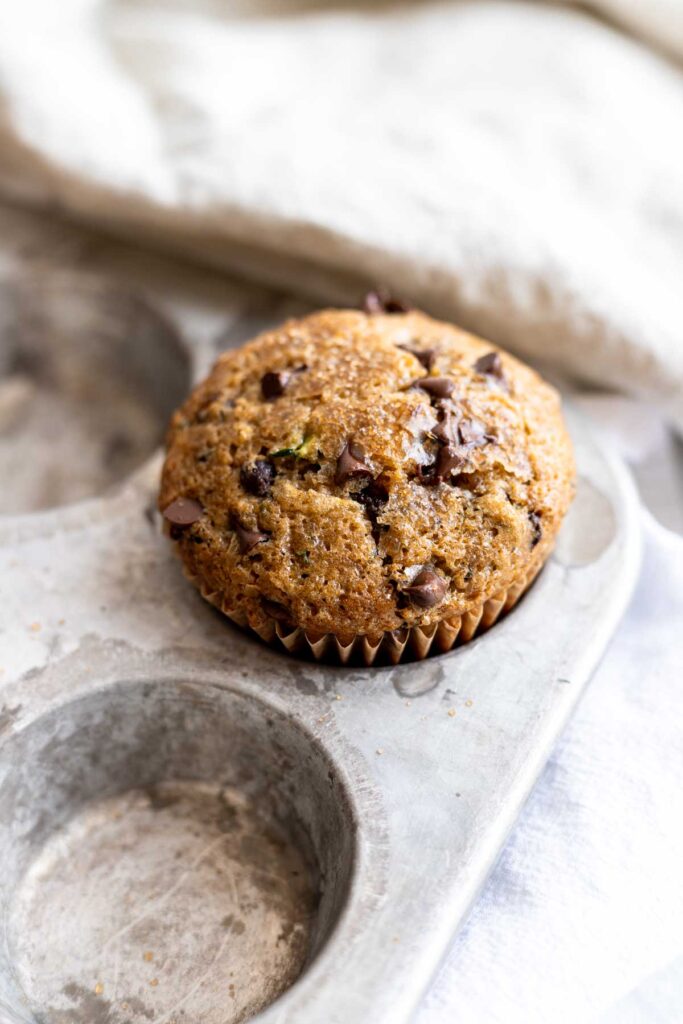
<point>366,485</point>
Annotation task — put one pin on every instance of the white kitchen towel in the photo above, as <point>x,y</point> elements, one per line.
<point>517,166</point>
<point>584,908</point>
<point>659,21</point>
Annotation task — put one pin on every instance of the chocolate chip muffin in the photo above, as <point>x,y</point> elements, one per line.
<point>373,485</point>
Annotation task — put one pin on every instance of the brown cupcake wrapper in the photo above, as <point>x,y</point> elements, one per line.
<point>388,648</point>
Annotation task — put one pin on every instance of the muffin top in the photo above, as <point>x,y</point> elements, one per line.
<point>353,473</point>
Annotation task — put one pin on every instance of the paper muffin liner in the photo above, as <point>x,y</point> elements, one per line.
<point>387,648</point>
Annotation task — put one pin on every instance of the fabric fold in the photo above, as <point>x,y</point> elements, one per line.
<point>512,166</point>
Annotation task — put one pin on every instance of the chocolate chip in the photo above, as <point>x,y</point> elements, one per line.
<point>273,383</point>
<point>380,301</point>
<point>183,512</point>
<point>427,356</point>
<point>257,477</point>
<point>537,529</point>
<point>373,498</point>
<point>439,387</point>
<point>248,539</point>
<point>276,611</point>
<point>490,365</point>
<point>351,463</point>
<point>446,431</point>
<point>396,306</point>
<point>427,589</point>
<point>426,475</point>
<point>449,460</point>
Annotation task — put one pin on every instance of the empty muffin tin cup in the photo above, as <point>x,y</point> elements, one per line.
<point>89,376</point>
<point>171,852</point>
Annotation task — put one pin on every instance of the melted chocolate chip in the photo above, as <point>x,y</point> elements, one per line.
<point>248,539</point>
<point>183,512</point>
<point>426,475</point>
<point>273,383</point>
<point>427,357</point>
<point>490,365</point>
<point>427,589</point>
<point>373,498</point>
<point>536,528</point>
<point>449,460</point>
<point>380,301</point>
<point>257,477</point>
<point>446,431</point>
<point>438,387</point>
<point>351,463</point>
<point>276,611</point>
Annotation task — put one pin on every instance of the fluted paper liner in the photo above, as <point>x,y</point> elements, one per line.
<point>412,643</point>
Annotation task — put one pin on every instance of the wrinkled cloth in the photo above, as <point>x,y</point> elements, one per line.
<point>515,167</point>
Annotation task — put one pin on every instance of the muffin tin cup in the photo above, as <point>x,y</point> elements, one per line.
<point>89,375</point>
<point>389,648</point>
<point>170,846</point>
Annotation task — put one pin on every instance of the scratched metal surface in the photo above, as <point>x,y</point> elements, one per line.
<point>195,827</point>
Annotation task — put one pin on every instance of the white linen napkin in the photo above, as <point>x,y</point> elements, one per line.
<point>581,919</point>
<point>516,166</point>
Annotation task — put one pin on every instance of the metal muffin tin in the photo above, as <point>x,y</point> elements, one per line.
<point>197,828</point>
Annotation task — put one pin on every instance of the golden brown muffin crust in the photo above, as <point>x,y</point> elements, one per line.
<point>328,480</point>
